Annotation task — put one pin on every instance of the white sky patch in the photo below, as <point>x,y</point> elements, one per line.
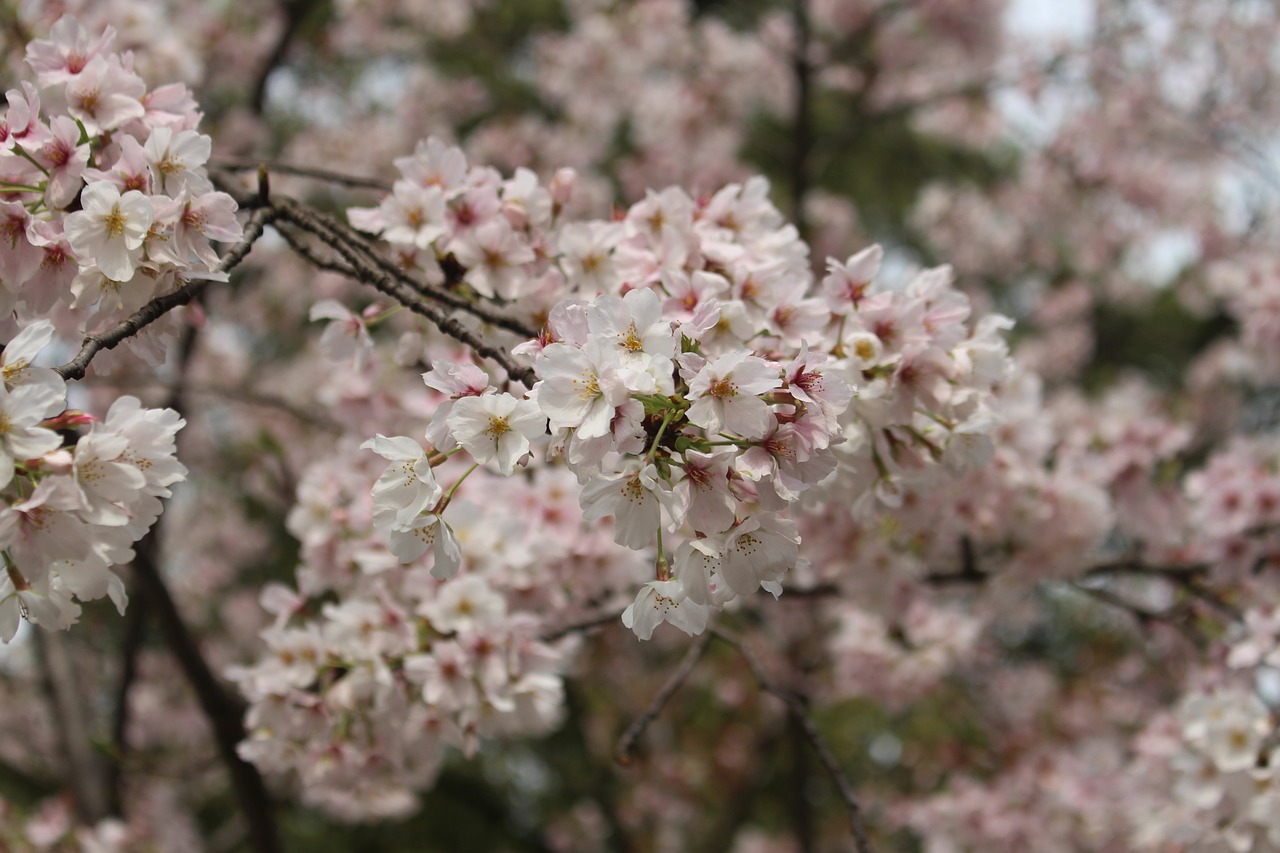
<point>1050,20</point>
<point>1162,256</point>
<point>1042,28</point>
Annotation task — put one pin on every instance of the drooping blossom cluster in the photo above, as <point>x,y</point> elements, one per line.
<point>103,204</point>
<point>695,379</point>
<point>373,670</point>
<point>71,511</point>
<point>1234,511</point>
<point>1216,755</point>
<point>103,192</point>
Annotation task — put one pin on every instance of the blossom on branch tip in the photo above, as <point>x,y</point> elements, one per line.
<point>407,488</point>
<point>496,427</point>
<point>664,601</point>
<point>634,498</point>
<point>108,232</point>
<point>725,395</point>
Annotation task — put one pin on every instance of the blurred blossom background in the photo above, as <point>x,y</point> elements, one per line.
<point>1071,647</point>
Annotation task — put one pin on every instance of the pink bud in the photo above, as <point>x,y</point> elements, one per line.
<point>69,418</point>
<point>562,185</point>
<point>58,462</point>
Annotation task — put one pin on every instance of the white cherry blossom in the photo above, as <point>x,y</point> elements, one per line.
<point>496,427</point>
<point>664,601</point>
<point>110,229</point>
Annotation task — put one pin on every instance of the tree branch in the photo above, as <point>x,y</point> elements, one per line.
<point>85,774</point>
<point>796,706</point>
<point>295,12</point>
<point>369,271</point>
<point>302,172</point>
<point>161,305</point>
<point>1141,615</point>
<point>587,624</point>
<point>624,752</point>
<point>134,631</point>
<point>802,120</point>
<point>332,231</point>
<point>223,710</point>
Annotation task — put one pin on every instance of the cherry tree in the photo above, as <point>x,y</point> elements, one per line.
<point>465,440</point>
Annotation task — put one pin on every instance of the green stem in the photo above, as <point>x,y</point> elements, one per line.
<point>34,162</point>
<point>448,496</point>
<point>434,462</point>
<point>839,351</point>
<point>729,442</point>
<point>666,419</point>
<point>661,573</point>
<point>382,316</point>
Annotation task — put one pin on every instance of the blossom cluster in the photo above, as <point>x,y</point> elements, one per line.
<point>371,671</point>
<point>71,511</point>
<point>693,374</point>
<point>1220,755</point>
<point>1233,509</point>
<point>103,194</point>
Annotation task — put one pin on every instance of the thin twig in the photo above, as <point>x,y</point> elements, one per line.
<point>247,396</point>
<point>134,632</point>
<point>1187,577</point>
<point>333,229</point>
<point>84,775</point>
<point>293,236</point>
<point>161,305</point>
<point>223,710</point>
<point>302,172</point>
<point>295,12</point>
<point>625,750</point>
<point>370,273</point>
<point>802,119</point>
<point>591,622</point>
<point>796,706</point>
<point>1142,615</point>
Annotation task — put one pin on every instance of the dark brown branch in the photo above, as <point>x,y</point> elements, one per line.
<point>969,571</point>
<point>295,12</point>
<point>820,590</point>
<point>1144,617</point>
<point>84,776</point>
<point>801,808</point>
<point>134,631</point>
<point>223,709</point>
<point>335,230</point>
<point>302,172</point>
<point>590,623</point>
<point>1187,577</point>
<point>161,305</point>
<point>625,750</point>
<point>293,236</point>
<point>796,706</point>
<point>802,120</point>
<point>369,272</point>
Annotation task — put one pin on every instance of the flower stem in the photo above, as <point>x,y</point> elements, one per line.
<point>34,162</point>
<point>666,419</point>
<point>662,572</point>
<point>448,496</point>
